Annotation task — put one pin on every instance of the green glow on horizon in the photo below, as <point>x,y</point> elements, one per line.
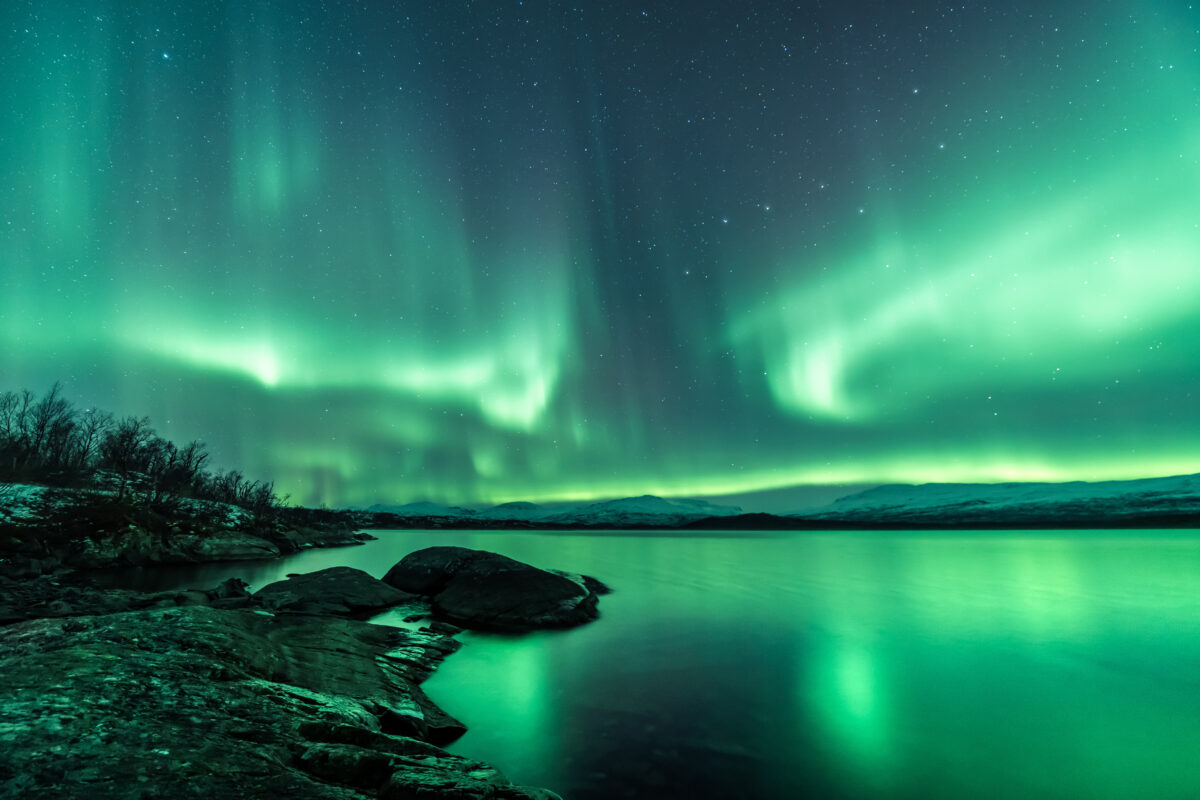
<point>379,270</point>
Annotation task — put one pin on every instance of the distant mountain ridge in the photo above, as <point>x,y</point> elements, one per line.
<point>1167,502</point>
<point>1173,498</point>
<point>647,510</point>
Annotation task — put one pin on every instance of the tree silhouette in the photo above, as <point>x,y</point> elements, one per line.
<point>125,450</point>
<point>47,440</point>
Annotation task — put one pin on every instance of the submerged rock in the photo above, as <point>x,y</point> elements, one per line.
<point>479,589</point>
<point>337,590</point>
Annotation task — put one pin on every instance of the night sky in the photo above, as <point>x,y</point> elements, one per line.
<point>488,251</point>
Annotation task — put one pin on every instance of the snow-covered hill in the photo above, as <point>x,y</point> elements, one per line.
<point>645,510</point>
<point>1172,501</point>
<point>955,503</point>
<point>422,509</point>
<point>626,512</point>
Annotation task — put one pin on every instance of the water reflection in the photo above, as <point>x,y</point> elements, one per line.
<point>865,665</point>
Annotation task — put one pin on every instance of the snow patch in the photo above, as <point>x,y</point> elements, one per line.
<point>19,501</point>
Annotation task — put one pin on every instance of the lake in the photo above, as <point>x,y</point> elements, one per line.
<point>833,665</point>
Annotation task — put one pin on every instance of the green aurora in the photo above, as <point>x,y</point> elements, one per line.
<point>479,252</point>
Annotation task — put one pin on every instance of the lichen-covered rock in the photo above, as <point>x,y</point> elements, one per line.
<point>337,590</point>
<point>488,591</point>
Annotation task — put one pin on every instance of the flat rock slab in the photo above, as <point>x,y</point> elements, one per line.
<point>337,590</point>
<point>488,591</point>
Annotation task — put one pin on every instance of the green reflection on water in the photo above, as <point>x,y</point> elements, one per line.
<point>986,665</point>
<point>852,665</point>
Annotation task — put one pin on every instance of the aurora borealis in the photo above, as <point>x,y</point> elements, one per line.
<point>491,251</point>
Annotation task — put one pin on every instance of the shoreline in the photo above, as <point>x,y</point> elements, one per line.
<point>287,691</point>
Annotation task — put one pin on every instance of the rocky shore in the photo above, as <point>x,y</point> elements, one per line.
<point>78,530</point>
<point>286,692</point>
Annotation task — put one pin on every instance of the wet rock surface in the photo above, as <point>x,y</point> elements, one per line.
<point>179,695</point>
<point>218,693</point>
<point>488,591</point>
<point>47,597</point>
<point>337,590</point>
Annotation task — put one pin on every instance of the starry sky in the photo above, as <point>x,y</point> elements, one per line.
<point>489,251</point>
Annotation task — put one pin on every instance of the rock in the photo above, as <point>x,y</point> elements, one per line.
<point>344,763</point>
<point>337,590</point>
<point>488,591</point>
<point>426,572</point>
<point>137,547</point>
<point>228,589</point>
<point>292,540</point>
<point>195,701</point>
<point>431,782</point>
<point>333,733</point>
<point>43,597</point>
<point>229,546</point>
<point>592,585</point>
<point>404,774</point>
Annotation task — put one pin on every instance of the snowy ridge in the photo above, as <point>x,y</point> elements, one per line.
<point>645,510</point>
<point>629,511</point>
<point>422,509</point>
<point>953,502</point>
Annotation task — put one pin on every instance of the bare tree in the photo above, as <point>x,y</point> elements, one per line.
<point>14,428</point>
<point>172,471</point>
<point>125,449</point>
<point>191,463</point>
<point>90,431</point>
<point>161,457</point>
<point>51,421</point>
<point>9,402</point>
<point>228,486</point>
<point>49,440</point>
<point>258,497</point>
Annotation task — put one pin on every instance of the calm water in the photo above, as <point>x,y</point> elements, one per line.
<point>844,665</point>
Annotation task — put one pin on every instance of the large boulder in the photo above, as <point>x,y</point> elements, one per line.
<point>337,590</point>
<point>488,591</point>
